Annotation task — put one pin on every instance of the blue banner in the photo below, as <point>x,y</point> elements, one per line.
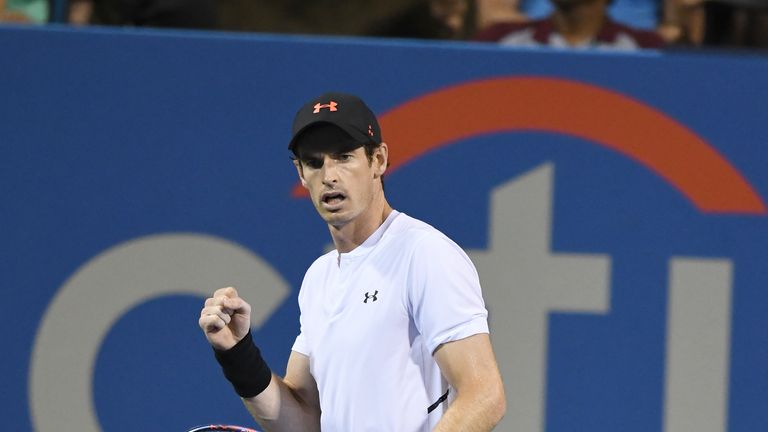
<point>614,205</point>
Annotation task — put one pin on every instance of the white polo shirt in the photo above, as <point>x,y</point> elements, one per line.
<point>371,319</point>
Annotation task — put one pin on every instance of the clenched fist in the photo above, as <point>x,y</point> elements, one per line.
<point>225,318</point>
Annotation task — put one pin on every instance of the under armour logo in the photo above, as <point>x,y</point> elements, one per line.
<point>331,107</point>
<point>370,130</point>
<point>371,296</point>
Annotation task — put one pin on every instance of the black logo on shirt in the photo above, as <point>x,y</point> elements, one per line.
<point>371,296</point>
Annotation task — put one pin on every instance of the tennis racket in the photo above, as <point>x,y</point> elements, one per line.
<point>222,428</point>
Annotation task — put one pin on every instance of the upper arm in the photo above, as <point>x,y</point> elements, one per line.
<point>300,380</point>
<point>469,366</point>
<point>444,294</point>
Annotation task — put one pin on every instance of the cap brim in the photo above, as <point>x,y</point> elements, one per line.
<point>353,140</point>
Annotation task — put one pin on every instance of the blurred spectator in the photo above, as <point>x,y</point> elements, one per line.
<point>736,23</point>
<point>24,11</point>
<point>683,22</point>
<point>197,14</point>
<point>717,23</point>
<point>572,24</point>
<point>494,11</point>
<point>429,19</point>
<point>641,14</point>
<point>671,20</point>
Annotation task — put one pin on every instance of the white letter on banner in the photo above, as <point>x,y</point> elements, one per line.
<point>119,279</point>
<point>523,281</point>
<point>698,345</point>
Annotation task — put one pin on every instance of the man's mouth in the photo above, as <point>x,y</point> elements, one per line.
<point>333,198</point>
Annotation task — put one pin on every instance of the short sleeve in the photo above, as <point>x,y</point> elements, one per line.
<point>300,344</point>
<point>444,295</point>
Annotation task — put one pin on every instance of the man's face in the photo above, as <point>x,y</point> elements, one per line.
<point>342,184</point>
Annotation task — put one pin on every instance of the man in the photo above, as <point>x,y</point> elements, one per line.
<point>573,24</point>
<point>394,333</point>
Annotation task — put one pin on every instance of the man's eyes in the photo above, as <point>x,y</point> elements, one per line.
<point>313,163</point>
<point>316,163</point>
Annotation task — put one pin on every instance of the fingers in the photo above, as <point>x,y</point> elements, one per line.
<point>230,305</point>
<point>219,310</point>
<point>211,323</point>
<point>225,292</point>
<point>229,300</point>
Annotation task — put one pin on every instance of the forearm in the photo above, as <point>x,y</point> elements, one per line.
<point>280,408</point>
<point>278,404</point>
<point>477,412</point>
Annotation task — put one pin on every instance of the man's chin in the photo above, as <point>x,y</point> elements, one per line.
<point>336,218</point>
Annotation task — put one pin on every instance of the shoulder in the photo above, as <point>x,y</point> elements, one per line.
<point>323,260</point>
<point>409,230</point>
<point>320,265</point>
<point>405,225</point>
<point>424,241</point>
<point>316,273</point>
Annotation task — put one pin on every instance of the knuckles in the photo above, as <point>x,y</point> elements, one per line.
<point>218,310</point>
<point>210,323</point>
<point>225,292</point>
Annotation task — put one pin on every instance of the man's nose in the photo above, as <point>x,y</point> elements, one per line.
<point>330,170</point>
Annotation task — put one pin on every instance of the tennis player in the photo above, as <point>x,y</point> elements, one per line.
<point>394,332</point>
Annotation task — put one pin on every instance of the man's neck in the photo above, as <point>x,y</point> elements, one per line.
<point>351,235</point>
<point>579,23</point>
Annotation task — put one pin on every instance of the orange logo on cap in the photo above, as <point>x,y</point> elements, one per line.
<point>331,107</point>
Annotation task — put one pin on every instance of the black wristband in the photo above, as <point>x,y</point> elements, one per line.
<point>244,368</point>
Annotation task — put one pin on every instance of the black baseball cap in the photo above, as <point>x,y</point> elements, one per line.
<point>344,111</point>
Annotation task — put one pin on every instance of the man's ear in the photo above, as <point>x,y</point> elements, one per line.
<point>300,172</point>
<point>381,159</point>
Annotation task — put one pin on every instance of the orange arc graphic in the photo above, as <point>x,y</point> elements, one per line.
<point>607,118</point>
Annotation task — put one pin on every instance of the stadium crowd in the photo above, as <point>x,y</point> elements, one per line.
<point>590,24</point>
